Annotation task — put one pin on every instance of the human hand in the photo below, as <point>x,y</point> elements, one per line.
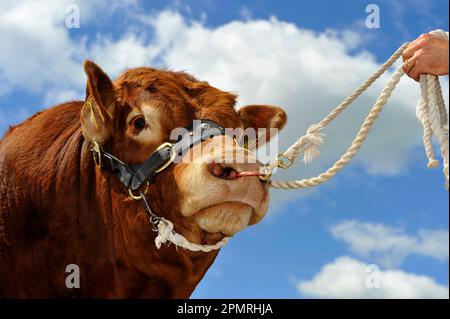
<point>428,54</point>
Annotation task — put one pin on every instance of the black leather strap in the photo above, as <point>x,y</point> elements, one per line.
<point>135,176</point>
<point>112,164</point>
<point>207,130</point>
<point>145,172</point>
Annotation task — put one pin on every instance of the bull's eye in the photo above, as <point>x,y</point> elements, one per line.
<point>138,123</point>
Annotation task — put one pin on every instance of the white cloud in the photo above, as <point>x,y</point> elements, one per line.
<point>129,51</point>
<point>346,277</point>
<point>36,48</point>
<point>38,52</point>
<point>265,61</point>
<point>391,245</point>
<point>433,243</point>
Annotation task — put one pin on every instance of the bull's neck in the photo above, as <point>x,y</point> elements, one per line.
<point>126,226</point>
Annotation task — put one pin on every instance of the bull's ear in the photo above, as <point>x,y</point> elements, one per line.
<point>262,117</point>
<point>98,110</point>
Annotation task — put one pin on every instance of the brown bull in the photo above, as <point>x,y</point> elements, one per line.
<point>57,207</point>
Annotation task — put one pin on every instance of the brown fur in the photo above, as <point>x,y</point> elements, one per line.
<point>58,208</point>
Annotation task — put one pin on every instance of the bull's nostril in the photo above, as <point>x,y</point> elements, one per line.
<point>229,173</point>
<point>223,172</point>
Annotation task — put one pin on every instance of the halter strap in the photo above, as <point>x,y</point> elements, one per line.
<point>135,176</point>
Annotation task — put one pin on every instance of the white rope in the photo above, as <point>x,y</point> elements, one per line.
<point>167,234</point>
<point>431,112</point>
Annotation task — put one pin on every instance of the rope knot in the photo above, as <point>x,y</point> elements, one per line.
<point>166,233</point>
<point>165,229</point>
<point>313,140</point>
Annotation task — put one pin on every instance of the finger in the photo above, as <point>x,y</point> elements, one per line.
<point>405,68</point>
<point>409,64</point>
<point>416,67</point>
<point>415,73</point>
<point>417,44</point>
<point>410,50</point>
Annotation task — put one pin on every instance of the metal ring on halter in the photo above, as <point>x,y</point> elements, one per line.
<point>141,194</point>
<point>173,155</point>
<point>284,161</point>
<point>265,177</point>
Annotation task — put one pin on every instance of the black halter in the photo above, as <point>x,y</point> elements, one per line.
<point>135,177</point>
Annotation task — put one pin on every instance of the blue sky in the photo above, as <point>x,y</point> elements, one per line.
<point>385,208</point>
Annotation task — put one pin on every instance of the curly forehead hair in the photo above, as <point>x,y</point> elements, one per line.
<point>173,85</point>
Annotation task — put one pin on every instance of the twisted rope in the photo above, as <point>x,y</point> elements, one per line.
<point>167,234</point>
<point>431,112</point>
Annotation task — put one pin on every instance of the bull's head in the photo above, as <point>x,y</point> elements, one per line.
<point>205,198</point>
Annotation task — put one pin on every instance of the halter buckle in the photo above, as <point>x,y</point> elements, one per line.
<point>170,160</point>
